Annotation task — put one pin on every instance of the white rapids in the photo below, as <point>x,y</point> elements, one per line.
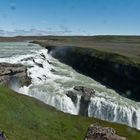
<point>52,79</point>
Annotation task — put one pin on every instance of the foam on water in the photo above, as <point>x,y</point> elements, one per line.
<point>51,80</point>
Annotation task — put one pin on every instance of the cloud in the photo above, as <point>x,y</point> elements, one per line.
<point>35,32</point>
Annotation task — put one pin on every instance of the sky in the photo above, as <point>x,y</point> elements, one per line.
<point>69,17</point>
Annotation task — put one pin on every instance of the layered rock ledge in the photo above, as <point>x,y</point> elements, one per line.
<point>13,73</point>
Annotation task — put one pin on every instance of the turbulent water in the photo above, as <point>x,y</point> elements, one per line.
<point>51,80</point>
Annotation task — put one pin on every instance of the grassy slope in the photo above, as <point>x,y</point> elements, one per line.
<point>25,118</point>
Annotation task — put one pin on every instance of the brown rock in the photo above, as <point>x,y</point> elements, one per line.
<point>10,73</point>
<point>97,132</point>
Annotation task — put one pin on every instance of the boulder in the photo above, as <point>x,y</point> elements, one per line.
<point>97,132</point>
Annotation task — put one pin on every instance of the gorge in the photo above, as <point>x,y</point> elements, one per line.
<point>51,80</point>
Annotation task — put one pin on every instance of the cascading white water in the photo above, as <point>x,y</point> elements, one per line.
<point>51,80</point>
<point>108,110</point>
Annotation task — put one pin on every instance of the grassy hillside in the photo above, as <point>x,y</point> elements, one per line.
<point>25,118</point>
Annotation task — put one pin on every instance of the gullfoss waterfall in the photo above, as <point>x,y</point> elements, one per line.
<point>51,80</point>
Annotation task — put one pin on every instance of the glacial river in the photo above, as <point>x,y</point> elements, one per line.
<point>52,79</point>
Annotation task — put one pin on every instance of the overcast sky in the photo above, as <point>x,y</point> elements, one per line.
<point>69,17</point>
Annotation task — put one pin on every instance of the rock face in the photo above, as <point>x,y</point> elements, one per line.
<point>85,99</point>
<point>73,96</point>
<point>2,136</point>
<point>13,73</point>
<point>97,132</point>
<point>85,94</point>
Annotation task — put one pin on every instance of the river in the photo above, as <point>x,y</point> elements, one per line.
<point>52,79</point>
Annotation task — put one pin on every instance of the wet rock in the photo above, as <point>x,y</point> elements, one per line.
<point>73,96</point>
<point>97,132</point>
<point>39,78</point>
<point>45,76</point>
<point>38,64</point>
<point>27,59</point>
<point>13,73</point>
<point>85,98</point>
<point>43,56</point>
<point>2,136</point>
<point>49,62</point>
<point>53,70</point>
<point>86,92</point>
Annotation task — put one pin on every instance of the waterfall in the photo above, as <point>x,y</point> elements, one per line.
<point>51,80</point>
<point>110,111</point>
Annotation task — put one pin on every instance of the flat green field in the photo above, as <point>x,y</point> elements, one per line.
<point>25,118</point>
<point>127,46</point>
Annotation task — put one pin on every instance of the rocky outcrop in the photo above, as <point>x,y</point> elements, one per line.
<point>86,94</point>
<point>2,135</point>
<point>97,132</point>
<point>13,73</point>
<point>85,99</point>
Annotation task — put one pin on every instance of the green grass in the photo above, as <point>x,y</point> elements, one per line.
<point>113,57</point>
<point>25,118</point>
